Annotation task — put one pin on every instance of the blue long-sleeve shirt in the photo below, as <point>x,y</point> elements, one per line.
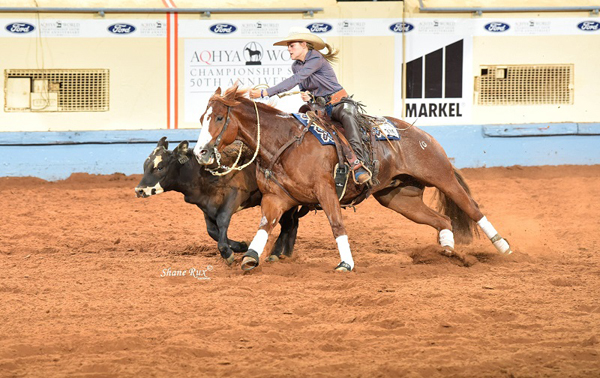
<point>314,74</point>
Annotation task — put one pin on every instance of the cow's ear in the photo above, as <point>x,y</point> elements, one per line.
<point>181,152</point>
<point>218,91</point>
<point>163,143</point>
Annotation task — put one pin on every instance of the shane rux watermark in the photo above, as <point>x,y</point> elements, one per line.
<point>197,273</point>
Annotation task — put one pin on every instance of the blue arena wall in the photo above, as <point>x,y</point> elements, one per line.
<point>56,155</point>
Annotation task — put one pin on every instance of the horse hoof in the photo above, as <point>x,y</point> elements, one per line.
<point>250,260</point>
<point>448,251</point>
<point>343,267</point>
<point>501,245</point>
<point>273,258</point>
<point>230,259</point>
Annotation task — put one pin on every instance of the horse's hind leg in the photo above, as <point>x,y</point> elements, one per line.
<point>457,190</point>
<point>408,201</point>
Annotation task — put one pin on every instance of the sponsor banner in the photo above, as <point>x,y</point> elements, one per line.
<point>442,26</point>
<point>438,88</point>
<point>371,27</point>
<point>378,27</point>
<point>19,28</point>
<point>84,28</point>
<point>153,28</point>
<point>534,26</point>
<point>368,27</point>
<point>589,26</point>
<point>261,29</point>
<point>59,28</point>
<point>214,63</point>
<point>350,27</point>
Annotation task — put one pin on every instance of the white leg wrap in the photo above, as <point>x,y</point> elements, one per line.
<point>446,238</point>
<point>489,231</point>
<point>259,242</point>
<point>502,246</point>
<point>344,248</point>
<point>487,228</point>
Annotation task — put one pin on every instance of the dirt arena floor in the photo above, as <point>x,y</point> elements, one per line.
<point>84,293</point>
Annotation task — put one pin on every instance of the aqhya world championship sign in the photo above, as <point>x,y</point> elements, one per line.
<point>214,63</point>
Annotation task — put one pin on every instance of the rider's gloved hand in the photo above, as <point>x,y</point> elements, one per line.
<point>305,96</point>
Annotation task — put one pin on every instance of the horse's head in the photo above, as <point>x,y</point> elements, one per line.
<point>219,127</point>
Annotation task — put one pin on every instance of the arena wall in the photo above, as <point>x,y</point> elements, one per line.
<point>497,89</point>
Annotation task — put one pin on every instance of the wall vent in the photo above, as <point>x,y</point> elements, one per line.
<point>525,85</point>
<point>59,90</point>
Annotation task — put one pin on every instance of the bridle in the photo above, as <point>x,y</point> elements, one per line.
<point>227,119</point>
<point>228,170</point>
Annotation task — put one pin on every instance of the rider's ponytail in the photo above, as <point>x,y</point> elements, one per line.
<point>331,55</point>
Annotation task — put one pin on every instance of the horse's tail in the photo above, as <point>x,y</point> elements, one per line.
<point>462,225</point>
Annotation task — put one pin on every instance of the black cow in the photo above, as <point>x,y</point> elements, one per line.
<point>219,197</point>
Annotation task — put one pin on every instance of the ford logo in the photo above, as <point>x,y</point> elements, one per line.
<point>401,27</point>
<point>223,28</point>
<point>497,27</point>
<point>20,27</point>
<point>121,29</point>
<point>589,25</point>
<point>319,27</point>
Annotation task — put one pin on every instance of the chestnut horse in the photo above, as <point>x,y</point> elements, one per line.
<point>303,174</point>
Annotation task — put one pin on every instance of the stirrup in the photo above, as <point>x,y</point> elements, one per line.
<point>343,267</point>
<point>368,172</point>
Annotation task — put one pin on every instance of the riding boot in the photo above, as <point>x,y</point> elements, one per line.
<point>346,114</point>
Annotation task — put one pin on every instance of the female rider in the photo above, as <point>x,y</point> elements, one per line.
<point>315,76</point>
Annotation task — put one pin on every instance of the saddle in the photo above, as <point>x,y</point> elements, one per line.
<point>317,114</point>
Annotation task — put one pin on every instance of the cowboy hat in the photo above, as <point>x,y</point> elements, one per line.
<point>303,35</point>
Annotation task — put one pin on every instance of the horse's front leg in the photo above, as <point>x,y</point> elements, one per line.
<point>331,206</point>
<point>272,208</point>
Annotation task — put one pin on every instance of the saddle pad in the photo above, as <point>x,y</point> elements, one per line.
<point>389,130</point>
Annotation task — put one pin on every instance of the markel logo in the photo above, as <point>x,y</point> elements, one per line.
<point>589,25</point>
<point>20,28</point>
<point>223,28</point>
<point>121,29</point>
<point>434,83</point>
<point>319,27</point>
<point>497,27</point>
<point>401,27</point>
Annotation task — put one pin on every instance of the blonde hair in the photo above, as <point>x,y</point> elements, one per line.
<point>332,54</point>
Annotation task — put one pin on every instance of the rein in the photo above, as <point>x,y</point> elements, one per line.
<point>218,155</point>
<point>267,172</point>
